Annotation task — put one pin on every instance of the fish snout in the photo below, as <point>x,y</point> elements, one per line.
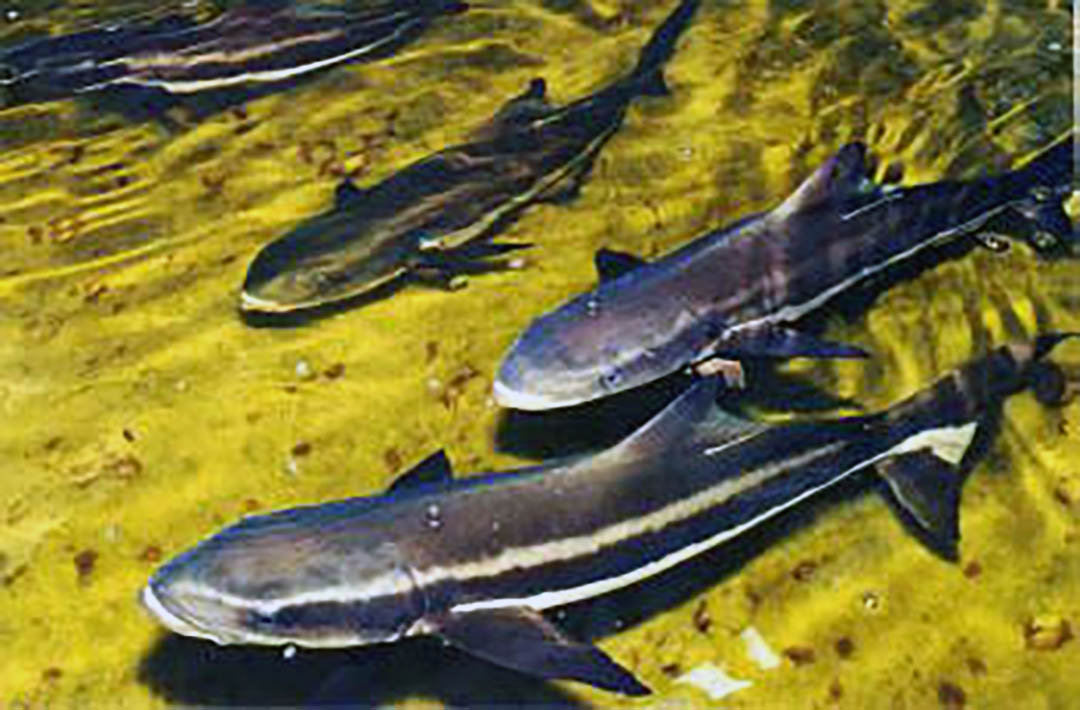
<point>188,614</point>
<point>536,377</point>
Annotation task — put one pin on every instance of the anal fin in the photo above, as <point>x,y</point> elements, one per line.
<point>926,492</point>
<point>521,639</point>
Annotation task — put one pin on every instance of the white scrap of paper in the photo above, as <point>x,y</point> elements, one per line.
<point>758,649</point>
<point>713,681</point>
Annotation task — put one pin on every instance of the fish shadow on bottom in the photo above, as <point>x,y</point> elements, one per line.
<point>189,671</point>
<point>603,423</point>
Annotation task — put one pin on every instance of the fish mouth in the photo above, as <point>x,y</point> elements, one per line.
<point>160,611</point>
<point>510,398</point>
<point>253,304</point>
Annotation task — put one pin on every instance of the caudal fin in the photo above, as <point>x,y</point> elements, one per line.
<point>648,77</point>
<point>1052,176</point>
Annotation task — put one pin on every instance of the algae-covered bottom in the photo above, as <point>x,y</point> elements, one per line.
<point>142,414</point>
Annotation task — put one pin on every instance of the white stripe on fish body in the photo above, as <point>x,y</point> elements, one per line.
<point>482,225</point>
<point>947,442</point>
<point>792,313</point>
<point>181,86</point>
<point>570,548</point>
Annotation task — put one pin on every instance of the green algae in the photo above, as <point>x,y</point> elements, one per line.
<point>142,414</point>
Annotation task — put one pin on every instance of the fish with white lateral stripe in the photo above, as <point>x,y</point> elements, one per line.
<point>739,292</point>
<point>476,560</point>
<point>435,217</point>
<point>249,44</point>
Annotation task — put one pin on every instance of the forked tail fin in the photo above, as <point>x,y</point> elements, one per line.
<point>647,76</point>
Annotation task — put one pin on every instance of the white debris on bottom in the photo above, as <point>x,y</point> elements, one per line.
<point>713,681</point>
<point>759,650</point>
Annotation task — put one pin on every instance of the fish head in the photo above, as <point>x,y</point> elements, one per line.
<point>327,259</point>
<point>596,346</point>
<point>291,577</point>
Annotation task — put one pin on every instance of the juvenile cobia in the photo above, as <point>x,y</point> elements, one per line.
<point>431,216</point>
<point>736,293</point>
<point>251,43</point>
<point>476,560</point>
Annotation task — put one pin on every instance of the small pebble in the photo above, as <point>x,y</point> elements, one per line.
<point>804,570</point>
<point>844,647</point>
<point>870,601</point>
<point>151,553</point>
<point>304,371</point>
<point>702,621</point>
<point>1047,633</point>
<point>951,696</point>
<point>291,467</point>
<point>517,263</point>
<point>289,652</point>
<point>335,371</point>
<point>799,655</point>
<point>85,562</point>
<point>301,449</point>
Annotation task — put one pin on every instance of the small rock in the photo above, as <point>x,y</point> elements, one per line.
<point>951,696</point>
<point>301,449</point>
<point>702,621</point>
<point>804,570</point>
<point>799,655</point>
<point>844,647</point>
<point>151,553</point>
<point>1047,633</point>
<point>304,371</point>
<point>334,371</point>
<point>85,562</point>
<point>871,601</point>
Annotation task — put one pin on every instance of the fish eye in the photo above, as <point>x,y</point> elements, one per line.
<point>611,378</point>
<point>259,620</point>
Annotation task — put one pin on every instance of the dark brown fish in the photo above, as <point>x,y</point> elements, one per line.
<point>252,43</point>
<point>431,215</point>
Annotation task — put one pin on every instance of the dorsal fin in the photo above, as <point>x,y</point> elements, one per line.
<point>347,193</point>
<point>527,106</point>
<point>434,469</point>
<point>841,176</point>
<point>675,423</point>
<point>611,264</point>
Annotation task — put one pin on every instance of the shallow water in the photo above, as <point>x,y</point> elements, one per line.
<point>141,413</point>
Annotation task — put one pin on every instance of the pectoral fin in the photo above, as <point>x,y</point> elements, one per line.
<point>523,640</point>
<point>347,194</point>
<point>611,264</point>
<point>924,479</point>
<point>434,469</point>
<point>779,342</point>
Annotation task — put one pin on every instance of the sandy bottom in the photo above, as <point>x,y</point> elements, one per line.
<point>140,413</point>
